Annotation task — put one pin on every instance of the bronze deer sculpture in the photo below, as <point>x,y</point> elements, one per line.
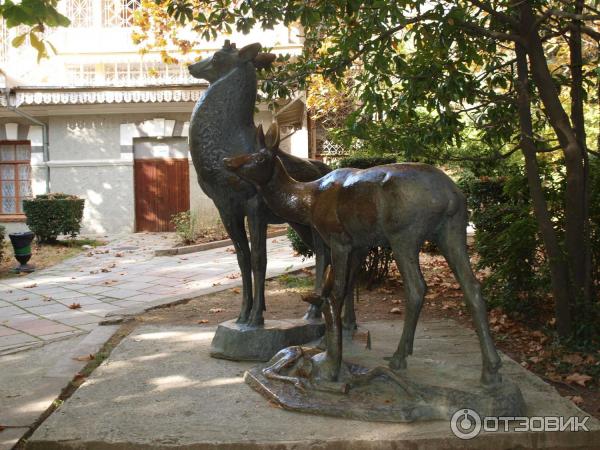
<point>222,124</point>
<point>400,205</point>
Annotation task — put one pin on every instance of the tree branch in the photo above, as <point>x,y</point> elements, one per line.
<point>497,14</point>
<point>496,35</point>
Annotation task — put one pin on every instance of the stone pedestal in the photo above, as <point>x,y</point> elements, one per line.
<point>240,342</point>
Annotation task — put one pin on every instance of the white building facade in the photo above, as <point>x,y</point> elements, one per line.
<point>102,121</point>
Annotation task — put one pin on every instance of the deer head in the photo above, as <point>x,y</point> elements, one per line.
<point>228,58</point>
<point>258,167</point>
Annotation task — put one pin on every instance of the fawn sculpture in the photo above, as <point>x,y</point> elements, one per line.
<point>400,205</point>
<point>222,124</point>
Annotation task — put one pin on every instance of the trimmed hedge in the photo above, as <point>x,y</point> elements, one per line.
<point>51,215</point>
<point>366,161</point>
<point>2,235</point>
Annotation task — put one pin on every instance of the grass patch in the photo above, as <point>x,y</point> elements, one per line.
<point>296,281</point>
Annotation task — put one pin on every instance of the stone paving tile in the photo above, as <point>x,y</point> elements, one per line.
<point>16,339</point>
<point>54,336</point>
<point>10,311</point>
<point>134,280</point>
<point>4,331</point>
<point>48,309</point>
<point>38,326</point>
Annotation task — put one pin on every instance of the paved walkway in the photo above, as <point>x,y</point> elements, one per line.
<point>72,297</point>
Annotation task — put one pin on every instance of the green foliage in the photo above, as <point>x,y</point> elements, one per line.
<point>358,161</point>
<point>35,16</point>
<point>298,244</point>
<point>186,226</point>
<point>510,247</point>
<point>507,241</point>
<point>2,235</point>
<point>51,215</point>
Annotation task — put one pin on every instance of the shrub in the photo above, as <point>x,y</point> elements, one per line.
<point>186,226</point>
<point>52,215</point>
<point>2,235</point>
<point>298,244</point>
<point>366,161</point>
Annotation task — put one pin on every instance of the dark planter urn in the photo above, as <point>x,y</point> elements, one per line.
<point>21,243</point>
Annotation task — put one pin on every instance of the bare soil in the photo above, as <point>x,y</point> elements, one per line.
<point>43,255</point>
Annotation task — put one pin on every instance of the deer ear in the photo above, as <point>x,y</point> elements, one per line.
<point>249,52</point>
<point>260,137</point>
<point>272,137</point>
<point>264,60</point>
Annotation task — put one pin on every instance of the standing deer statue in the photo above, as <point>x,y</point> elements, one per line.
<point>222,125</point>
<point>397,205</point>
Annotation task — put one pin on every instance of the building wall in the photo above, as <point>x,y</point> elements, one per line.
<point>92,156</point>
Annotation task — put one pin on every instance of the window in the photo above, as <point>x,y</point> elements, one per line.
<point>80,74</point>
<point>15,175</point>
<point>80,13</point>
<point>119,13</point>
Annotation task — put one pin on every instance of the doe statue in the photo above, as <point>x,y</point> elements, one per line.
<point>352,210</point>
<point>222,125</point>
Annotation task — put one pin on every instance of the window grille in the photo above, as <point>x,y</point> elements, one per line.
<point>80,74</point>
<point>119,13</point>
<point>15,176</point>
<point>80,13</point>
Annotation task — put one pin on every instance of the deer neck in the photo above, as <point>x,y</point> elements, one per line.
<point>290,199</point>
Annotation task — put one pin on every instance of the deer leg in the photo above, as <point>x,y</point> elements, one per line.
<point>407,258</point>
<point>234,224</point>
<point>452,242</point>
<point>330,367</point>
<point>348,313</point>
<point>257,224</point>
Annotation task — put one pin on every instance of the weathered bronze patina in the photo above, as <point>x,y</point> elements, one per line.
<point>222,125</point>
<point>397,205</point>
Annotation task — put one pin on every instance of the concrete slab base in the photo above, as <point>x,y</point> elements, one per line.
<point>160,389</point>
<point>240,342</point>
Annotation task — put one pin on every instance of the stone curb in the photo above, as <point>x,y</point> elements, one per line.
<point>115,317</point>
<point>206,246</point>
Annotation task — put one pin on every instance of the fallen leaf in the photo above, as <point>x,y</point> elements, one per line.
<point>216,284</point>
<point>578,378</point>
<point>89,357</point>
<point>119,254</point>
<point>236,290</point>
<point>24,298</point>
<point>203,321</point>
<point>74,306</point>
<point>104,269</point>
<point>230,250</point>
<point>233,276</point>
<point>93,272</point>
<point>215,310</point>
<point>79,376</point>
<point>573,358</point>
<point>29,286</point>
<point>396,302</point>
<point>577,399</point>
<point>396,310</point>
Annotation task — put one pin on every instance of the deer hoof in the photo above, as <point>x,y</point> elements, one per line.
<point>242,318</point>
<point>256,321</point>
<point>397,363</point>
<point>313,313</point>
<point>491,378</point>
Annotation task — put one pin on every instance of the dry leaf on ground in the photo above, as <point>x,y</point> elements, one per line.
<point>74,306</point>
<point>396,310</point>
<point>215,310</point>
<point>578,378</point>
<point>89,357</point>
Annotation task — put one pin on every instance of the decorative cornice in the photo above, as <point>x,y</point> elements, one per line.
<point>105,96</point>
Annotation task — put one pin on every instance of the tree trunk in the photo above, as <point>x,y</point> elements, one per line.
<point>557,262</point>
<point>581,274</point>
<point>575,199</point>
